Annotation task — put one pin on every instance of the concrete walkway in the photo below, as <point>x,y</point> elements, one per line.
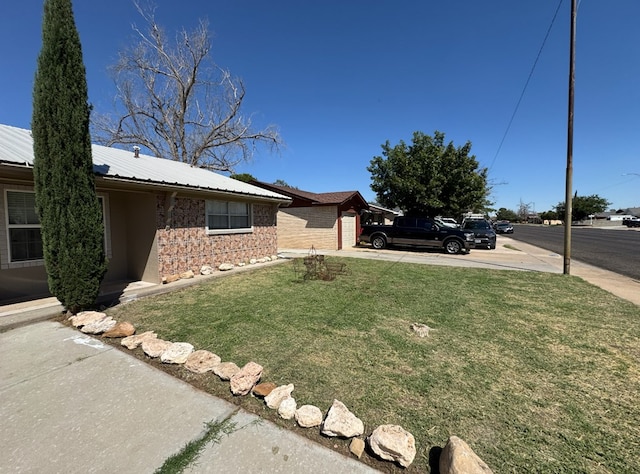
<point>73,404</point>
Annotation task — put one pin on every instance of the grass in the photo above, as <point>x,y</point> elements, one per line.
<point>188,455</point>
<point>509,246</point>
<point>537,372</point>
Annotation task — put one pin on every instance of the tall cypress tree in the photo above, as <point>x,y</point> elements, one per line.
<point>69,210</point>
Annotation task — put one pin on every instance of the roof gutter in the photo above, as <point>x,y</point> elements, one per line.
<point>193,190</point>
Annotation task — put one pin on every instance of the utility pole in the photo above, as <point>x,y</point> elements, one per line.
<point>569,180</point>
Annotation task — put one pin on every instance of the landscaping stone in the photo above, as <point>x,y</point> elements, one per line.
<point>226,370</point>
<point>263,389</point>
<point>458,458</point>
<point>341,422</point>
<point>243,381</point>
<point>131,342</point>
<point>287,408</point>
<point>421,330</point>
<point>186,275</point>
<point>308,416</point>
<point>170,278</point>
<point>176,353</point>
<point>393,443</point>
<point>155,347</point>
<point>121,329</point>
<point>86,317</point>
<point>225,267</point>
<point>206,270</point>
<point>201,361</point>
<point>99,326</point>
<point>277,395</point>
<point>356,447</point>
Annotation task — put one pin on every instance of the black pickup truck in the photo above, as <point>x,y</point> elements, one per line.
<point>417,232</point>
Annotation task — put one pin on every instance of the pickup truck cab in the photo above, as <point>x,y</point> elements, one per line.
<point>417,232</point>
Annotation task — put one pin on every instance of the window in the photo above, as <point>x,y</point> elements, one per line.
<point>25,241</point>
<point>24,229</point>
<point>225,216</point>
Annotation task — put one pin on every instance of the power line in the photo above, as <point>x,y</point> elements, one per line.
<point>524,89</point>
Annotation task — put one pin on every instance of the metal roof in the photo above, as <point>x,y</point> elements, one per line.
<point>16,147</point>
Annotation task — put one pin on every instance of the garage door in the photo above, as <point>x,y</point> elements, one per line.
<point>348,230</point>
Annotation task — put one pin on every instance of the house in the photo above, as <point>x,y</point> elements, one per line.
<point>327,221</point>
<point>620,214</point>
<point>380,215</point>
<point>161,217</point>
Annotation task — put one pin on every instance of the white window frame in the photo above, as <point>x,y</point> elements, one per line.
<point>209,211</point>
<point>11,226</point>
<point>6,259</point>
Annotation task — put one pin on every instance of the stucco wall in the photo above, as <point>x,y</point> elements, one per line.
<point>185,245</point>
<point>303,227</point>
<point>132,229</point>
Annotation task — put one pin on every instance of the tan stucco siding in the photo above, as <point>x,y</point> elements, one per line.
<point>303,227</point>
<point>133,227</point>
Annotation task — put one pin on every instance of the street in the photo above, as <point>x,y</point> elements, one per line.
<point>616,250</point>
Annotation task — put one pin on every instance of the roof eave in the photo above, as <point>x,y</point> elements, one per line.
<point>146,184</point>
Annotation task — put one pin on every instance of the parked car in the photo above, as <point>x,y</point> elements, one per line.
<point>504,228</point>
<point>633,222</point>
<point>484,235</point>
<point>417,232</point>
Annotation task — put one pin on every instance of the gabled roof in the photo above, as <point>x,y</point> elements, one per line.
<point>315,199</point>
<point>112,164</point>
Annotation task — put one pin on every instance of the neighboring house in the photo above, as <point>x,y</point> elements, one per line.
<point>161,217</point>
<point>326,221</point>
<point>380,215</point>
<point>620,214</point>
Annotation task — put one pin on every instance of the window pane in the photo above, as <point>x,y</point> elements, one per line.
<point>217,207</point>
<point>239,222</point>
<point>238,209</point>
<point>218,222</point>
<point>21,208</point>
<point>26,244</point>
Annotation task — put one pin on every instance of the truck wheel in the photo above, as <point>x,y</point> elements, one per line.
<point>378,242</point>
<point>453,247</point>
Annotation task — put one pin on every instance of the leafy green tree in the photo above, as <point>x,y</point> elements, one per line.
<point>583,206</point>
<point>549,216</point>
<point>246,177</point>
<point>68,207</point>
<point>505,214</point>
<point>429,177</point>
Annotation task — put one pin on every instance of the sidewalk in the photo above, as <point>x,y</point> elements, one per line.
<point>73,404</point>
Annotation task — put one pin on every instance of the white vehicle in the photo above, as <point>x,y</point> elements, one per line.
<point>448,222</point>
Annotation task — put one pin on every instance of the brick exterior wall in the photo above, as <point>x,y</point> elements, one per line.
<point>186,245</point>
<point>302,227</point>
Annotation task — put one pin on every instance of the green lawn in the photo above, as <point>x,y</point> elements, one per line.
<point>536,372</point>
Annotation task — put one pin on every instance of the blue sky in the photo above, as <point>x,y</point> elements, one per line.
<point>339,78</point>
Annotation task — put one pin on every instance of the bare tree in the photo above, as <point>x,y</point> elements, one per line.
<point>178,103</point>
<point>523,211</point>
